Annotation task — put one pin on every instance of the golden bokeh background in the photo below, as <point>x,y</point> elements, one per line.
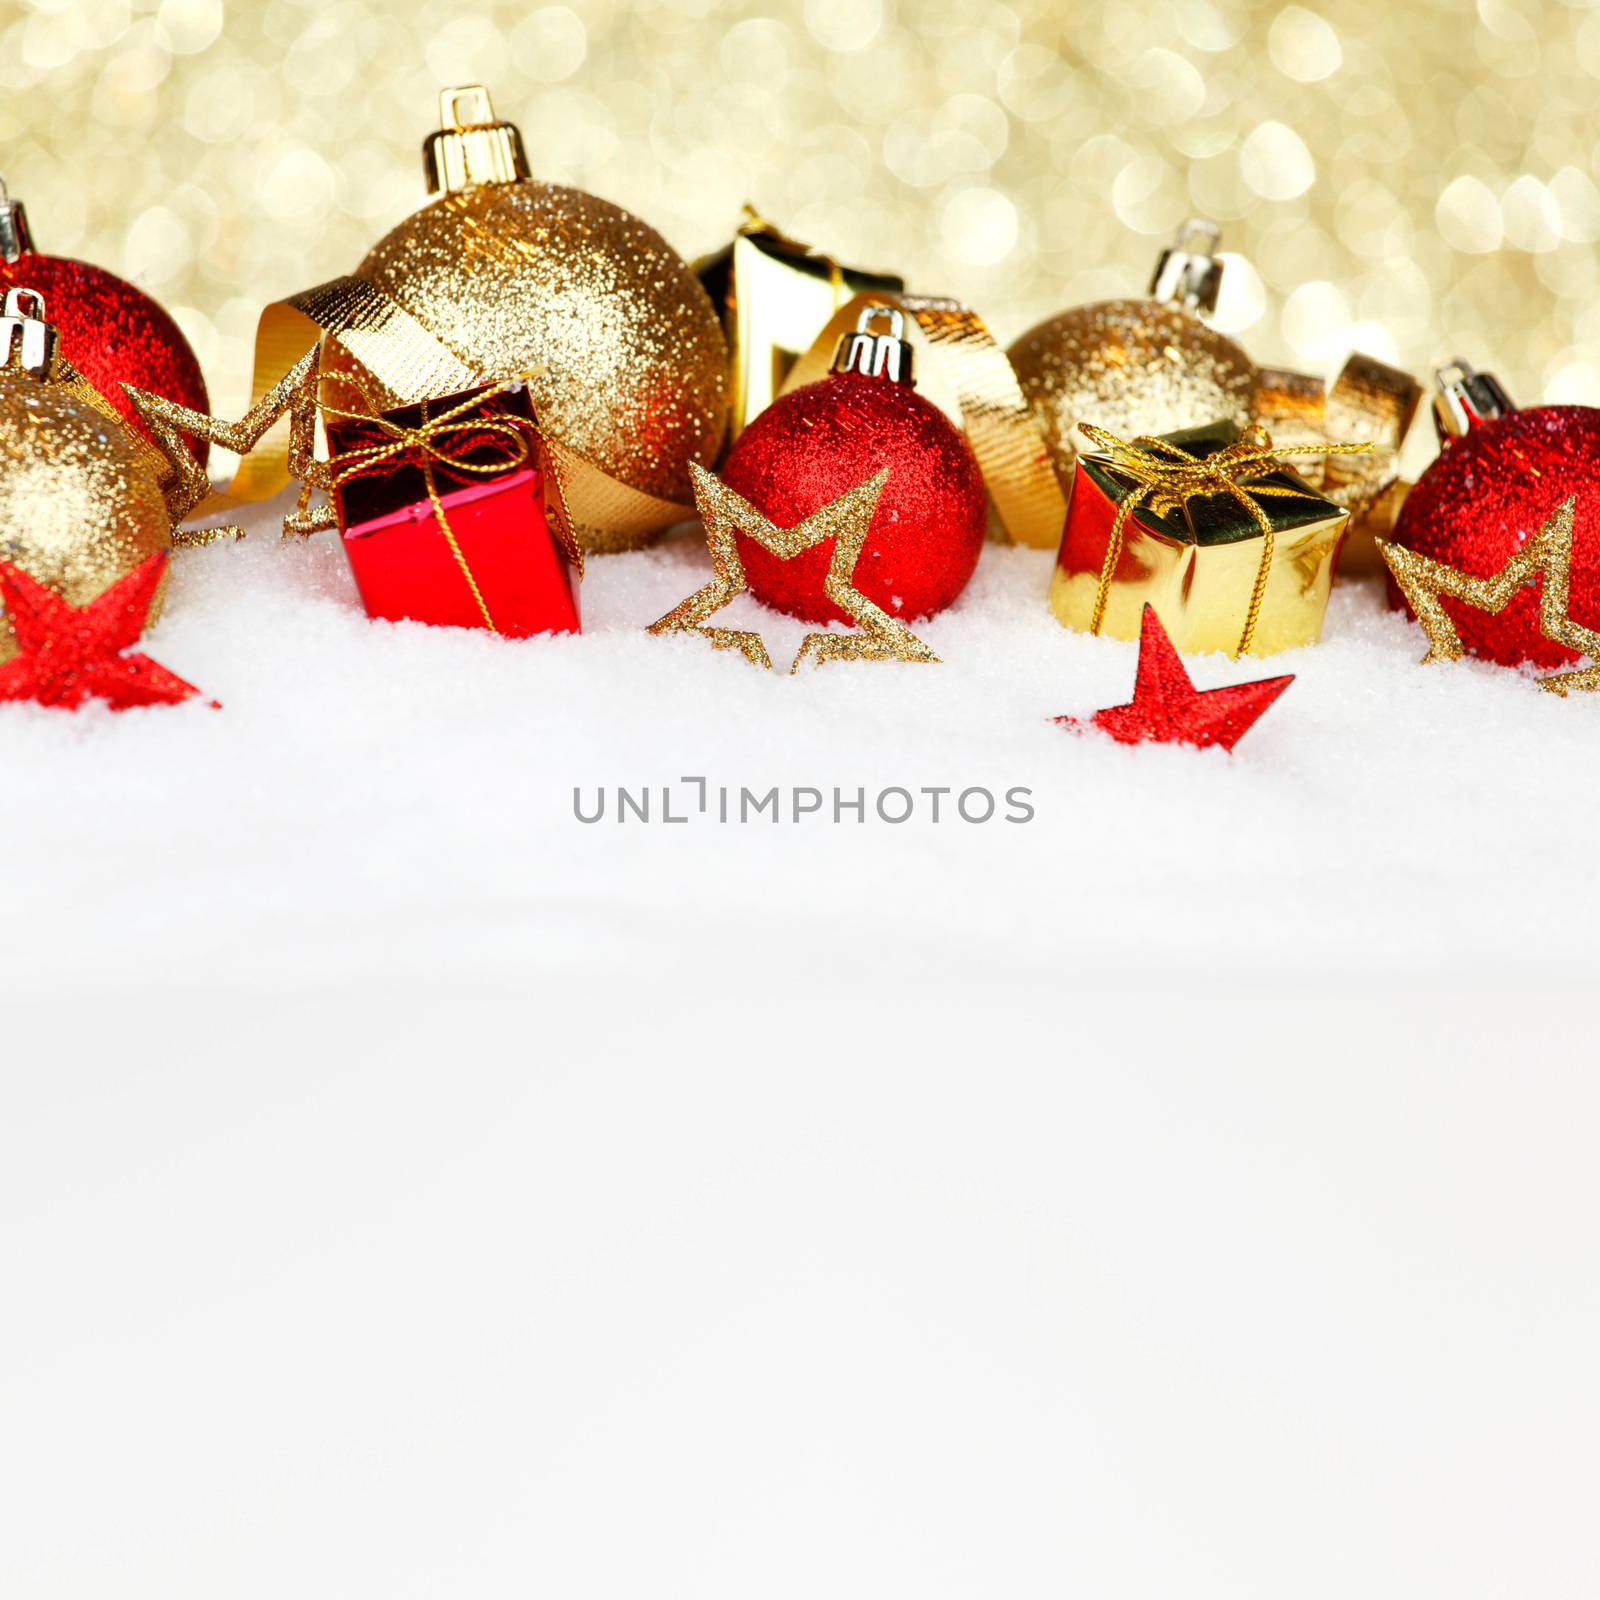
<point>1416,178</point>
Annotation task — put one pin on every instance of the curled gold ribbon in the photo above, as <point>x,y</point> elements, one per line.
<point>1165,477</point>
<point>973,374</point>
<point>428,443</point>
<point>1369,401</point>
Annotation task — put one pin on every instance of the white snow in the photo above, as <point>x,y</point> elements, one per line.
<point>406,1189</point>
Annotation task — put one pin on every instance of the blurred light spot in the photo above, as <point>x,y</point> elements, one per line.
<point>1174,88</point>
<point>978,115</point>
<point>1570,273</point>
<point>1290,251</point>
<point>1275,163</point>
<point>1097,161</point>
<point>197,329</point>
<point>1035,83</point>
<point>1216,188</point>
<point>371,185</point>
<point>1578,202</point>
<point>1315,319</point>
<point>874,86</point>
<point>844,24</point>
<point>190,25</point>
<point>1203,26</point>
<point>157,248</point>
<point>1573,383</point>
<point>926,160</point>
<point>1532,217</point>
<point>299,181</point>
<point>464,50</point>
<point>47,43</point>
<point>1468,216</point>
<point>1147,197</point>
<point>1303,46</point>
<point>978,225</point>
<point>1588,43</point>
<point>756,51</point>
<point>716,176</point>
<point>1510,50</point>
<point>1505,21</point>
<point>1370,220</point>
<point>550,44</point>
<point>140,62</point>
<point>225,103</point>
<point>1371,339</point>
<point>1397,293</point>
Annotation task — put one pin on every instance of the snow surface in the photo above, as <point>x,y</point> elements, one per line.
<point>406,1189</point>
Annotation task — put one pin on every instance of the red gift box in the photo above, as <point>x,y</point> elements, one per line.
<point>477,553</point>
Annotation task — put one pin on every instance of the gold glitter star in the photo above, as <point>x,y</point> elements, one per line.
<point>187,485</point>
<point>1548,552</point>
<point>845,521</point>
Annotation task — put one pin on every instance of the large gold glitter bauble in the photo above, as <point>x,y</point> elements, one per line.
<point>1139,367</point>
<point>80,503</point>
<point>1132,367</point>
<point>518,276</point>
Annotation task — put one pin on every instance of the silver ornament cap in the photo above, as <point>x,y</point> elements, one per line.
<point>874,353</point>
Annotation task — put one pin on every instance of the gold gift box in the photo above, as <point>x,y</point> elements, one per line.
<point>1199,563</point>
<point>775,296</point>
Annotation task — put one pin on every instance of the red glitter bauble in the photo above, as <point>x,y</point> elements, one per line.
<point>809,447</point>
<point>1485,496</point>
<point>112,332</point>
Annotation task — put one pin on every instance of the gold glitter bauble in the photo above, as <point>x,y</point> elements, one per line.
<point>80,504</point>
<point>529,275</point>
<point>1132,367</point>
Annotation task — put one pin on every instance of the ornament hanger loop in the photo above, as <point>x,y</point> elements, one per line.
<point>871,314</point>
<point>1199,236</point>
<point>473,95</point>
<point>21,302</point>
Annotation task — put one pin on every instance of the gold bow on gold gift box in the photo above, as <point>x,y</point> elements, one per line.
<point>1209,526</point>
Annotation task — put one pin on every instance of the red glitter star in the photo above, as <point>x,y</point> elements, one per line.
<point>1167,708</point>
<point>66,654</point>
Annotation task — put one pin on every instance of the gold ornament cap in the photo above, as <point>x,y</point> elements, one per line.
<point>27,341</point>
<point>1188,273</point>
<point>471,147</point>
<point>1466,399</point>
<point>877,355</point>
<point>15,239</point>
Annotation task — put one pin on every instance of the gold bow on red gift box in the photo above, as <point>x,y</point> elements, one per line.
<point>467,440</point>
